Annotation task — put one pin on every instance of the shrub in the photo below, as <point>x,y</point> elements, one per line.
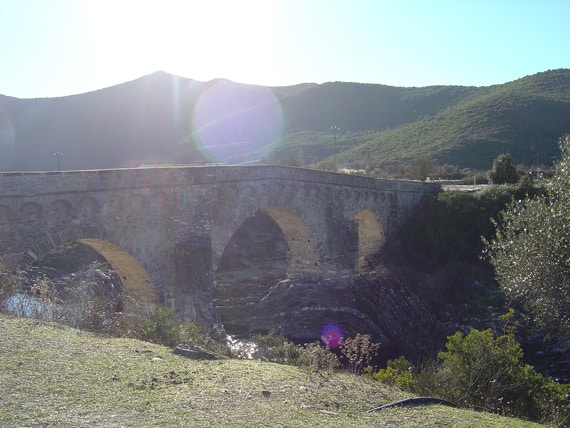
<point>315,357</point>
<point>160,328</point>
<point>275,348</point>
<point>397,373</point>
<point>503,172</point>
<point>358,352</point>
<point>164,328</point>
<point>80,302</point>
<point>485,371</point>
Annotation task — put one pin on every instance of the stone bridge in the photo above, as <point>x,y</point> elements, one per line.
<point>168,231</point>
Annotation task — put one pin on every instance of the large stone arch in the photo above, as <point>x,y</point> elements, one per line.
<point>303,256</point>
<point>272,244</point>
<point>257,251</point>
<point>370,238</point>
<point>139,294</point>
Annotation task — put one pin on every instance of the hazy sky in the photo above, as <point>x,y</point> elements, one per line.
<point>63,47</point>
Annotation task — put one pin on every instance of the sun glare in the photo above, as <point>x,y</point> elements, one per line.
<point>230,120</point>
<point>202,40</point>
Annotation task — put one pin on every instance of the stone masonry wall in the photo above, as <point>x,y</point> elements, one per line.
<point>177,221</point>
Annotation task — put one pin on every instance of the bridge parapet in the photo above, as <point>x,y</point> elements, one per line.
<point>20,184</point>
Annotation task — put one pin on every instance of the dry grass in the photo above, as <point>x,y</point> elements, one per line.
<point>56,376</point>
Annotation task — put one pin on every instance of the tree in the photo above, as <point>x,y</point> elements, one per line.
<point>422,168</point>
<point>531,250</point>
<point>504,172</point>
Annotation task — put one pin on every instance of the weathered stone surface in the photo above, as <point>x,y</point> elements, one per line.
<point>396,318</point>
<point>178,222</point>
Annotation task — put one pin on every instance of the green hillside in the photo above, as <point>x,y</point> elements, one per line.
<point>465,127</point>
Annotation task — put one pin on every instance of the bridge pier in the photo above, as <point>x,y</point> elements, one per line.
<point>194,281</point>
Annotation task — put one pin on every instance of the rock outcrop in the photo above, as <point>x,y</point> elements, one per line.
<point>301,309</point>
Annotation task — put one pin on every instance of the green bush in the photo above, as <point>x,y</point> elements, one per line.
<point>484,371</point>
<point>504,172</point>
<point>397,373</point>
<point>161,328</point>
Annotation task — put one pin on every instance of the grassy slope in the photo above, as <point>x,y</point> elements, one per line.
<point>53,376</point>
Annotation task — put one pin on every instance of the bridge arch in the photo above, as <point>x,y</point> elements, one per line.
<point>370,238</point>
<point>139,294</point>
<point>59,213</point>
<point>303,253</point>
<point>302,256</point>
<point>266,248</point>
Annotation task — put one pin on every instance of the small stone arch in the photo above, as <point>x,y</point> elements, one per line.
<point>88,208</point>
<point>370,238</point>
<point>113,206</point>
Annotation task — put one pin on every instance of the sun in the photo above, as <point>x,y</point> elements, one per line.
<point>198,39</point>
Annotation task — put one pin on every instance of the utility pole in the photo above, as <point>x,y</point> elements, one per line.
<point>59,156</point>
<point>335,130</point>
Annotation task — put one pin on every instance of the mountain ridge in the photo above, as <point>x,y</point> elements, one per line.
<point>152,119</point>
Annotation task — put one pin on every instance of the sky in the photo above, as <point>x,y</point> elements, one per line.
<point>52,48</point>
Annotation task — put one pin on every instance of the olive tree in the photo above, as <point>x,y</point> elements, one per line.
<point>531,250</point>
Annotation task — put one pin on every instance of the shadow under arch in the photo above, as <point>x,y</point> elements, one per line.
<point>272,245</point>
<point>138,289</point>
<point>282,241</point>
<point>370,238</point>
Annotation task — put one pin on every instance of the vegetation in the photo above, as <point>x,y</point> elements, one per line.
<point>530,250</point>
<point>465,127</point>
<point>54,376</point>
<point>358,352</point>
<point>448,227</point>
<point>481,370</point>
<point>83,301</point>
<point>504,172</point>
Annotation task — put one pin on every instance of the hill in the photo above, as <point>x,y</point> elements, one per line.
<point>161,118</point>
<point>55,376</point>
<point>461,126</point>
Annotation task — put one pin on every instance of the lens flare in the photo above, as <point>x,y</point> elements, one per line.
<point>331,335</point>
<point>234,123</point>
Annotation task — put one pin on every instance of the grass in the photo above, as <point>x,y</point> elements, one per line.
<point>55,376</point>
